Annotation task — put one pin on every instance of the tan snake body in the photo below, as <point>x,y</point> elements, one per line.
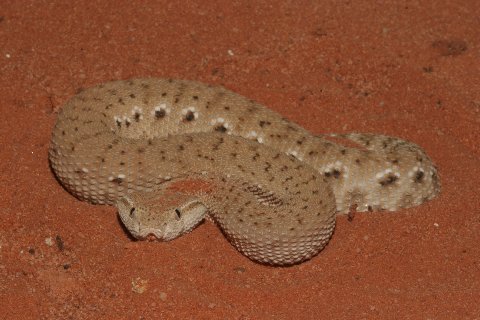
<point>273,187</point>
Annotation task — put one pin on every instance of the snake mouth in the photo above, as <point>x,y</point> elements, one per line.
<point>151,237</point>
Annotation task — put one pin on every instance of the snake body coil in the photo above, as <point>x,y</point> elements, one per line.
<point>273,187</point>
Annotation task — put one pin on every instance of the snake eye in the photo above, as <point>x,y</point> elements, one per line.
<point>132,211</point>
<point>178,213</point>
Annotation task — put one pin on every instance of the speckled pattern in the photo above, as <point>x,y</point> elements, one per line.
<point>117,141</point>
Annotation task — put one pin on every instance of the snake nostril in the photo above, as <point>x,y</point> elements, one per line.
<point>132,212</point>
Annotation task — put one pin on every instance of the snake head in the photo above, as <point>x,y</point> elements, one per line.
<point>160,215</point>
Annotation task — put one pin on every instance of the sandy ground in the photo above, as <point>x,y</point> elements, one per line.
<point>400,68</point>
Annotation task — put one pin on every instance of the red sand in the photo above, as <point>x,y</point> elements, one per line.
<point>400,68</point>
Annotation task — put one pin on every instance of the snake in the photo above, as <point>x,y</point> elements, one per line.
<point>171,153</point>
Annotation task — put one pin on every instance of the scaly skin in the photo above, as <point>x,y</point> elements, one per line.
<point>122,142</point>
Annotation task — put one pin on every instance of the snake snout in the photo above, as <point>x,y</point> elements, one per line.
<point>151,237</point>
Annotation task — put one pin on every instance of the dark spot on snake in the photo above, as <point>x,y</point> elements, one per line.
<point>160,113</point>
<point>357,161</point>
<point>220,128</point>
<point>122,152</point>
<point>122,163</point>
<point>180,147</point>
<point>120,100</point>
<point>290,127</point>
<point>132,211</point>
<point>343,151</point>
<point>390,179</point>
<point>268,165</point>
<point>263,123</point>
<point>190,116</point>
<point>137,116</point>
<point>226,108</point>
<point>117,180</point>
<point>80,173</point>
<point>334,173</point>
<point>132,95</point>
<point>419,176</point>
